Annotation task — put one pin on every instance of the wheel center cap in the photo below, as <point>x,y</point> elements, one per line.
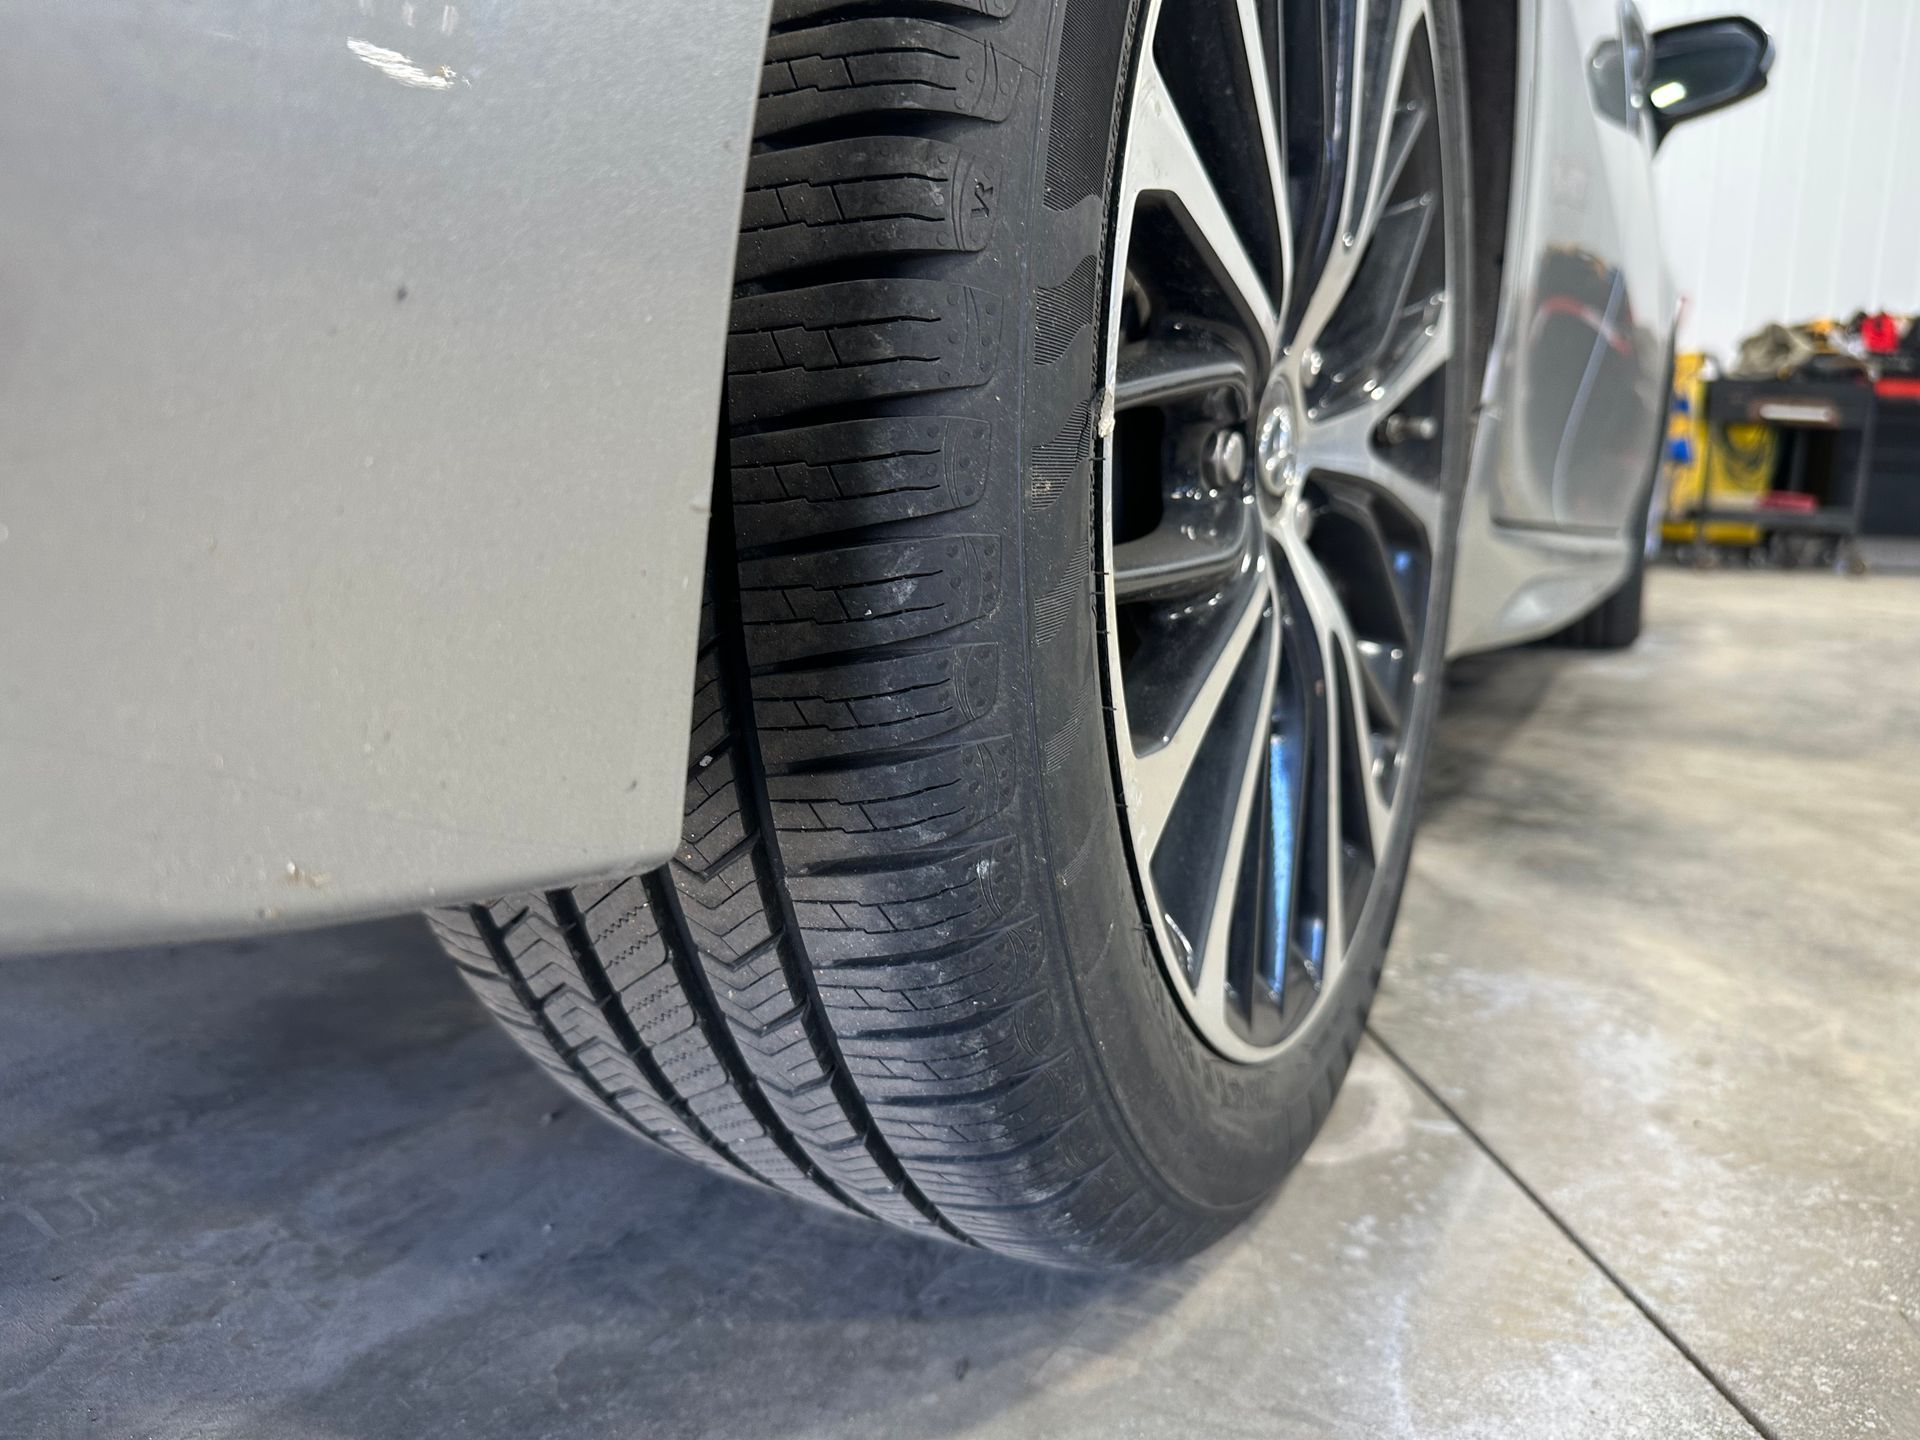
<point>1279,462</point>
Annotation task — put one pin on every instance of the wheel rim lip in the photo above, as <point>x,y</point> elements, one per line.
<point>1282,404</point>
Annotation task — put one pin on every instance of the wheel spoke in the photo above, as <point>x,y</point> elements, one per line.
<point>1165,748</point>
<point>1185,363</point>
<point>1346,704</point>
<point>1347,443</point>
<point>1180,559</point>
<point>1381,137</point>
<point>1381,303</point>
<point>1267,119</point>
<point>1380,679</point>
<point>1351,727</point>
<point>1384,37</point>
<point>1210,985</point>
<point>1288,775</point>
<point>1162,161</point>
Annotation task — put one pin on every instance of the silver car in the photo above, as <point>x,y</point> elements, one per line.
<point>910,688</point>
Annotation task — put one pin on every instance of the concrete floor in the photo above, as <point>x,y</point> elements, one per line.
<point>1657,953</point>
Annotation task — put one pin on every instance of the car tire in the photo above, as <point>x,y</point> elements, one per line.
<point>905,963</point>
<point>1613,624</point>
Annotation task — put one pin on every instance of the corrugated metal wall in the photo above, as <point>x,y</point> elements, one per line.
<point>1805,200</point>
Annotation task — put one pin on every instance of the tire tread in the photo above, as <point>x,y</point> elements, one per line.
<point>838,985</point>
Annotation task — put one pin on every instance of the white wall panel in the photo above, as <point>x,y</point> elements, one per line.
<point>1805,200</point>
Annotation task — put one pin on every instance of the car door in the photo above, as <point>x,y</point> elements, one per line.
<point>1592,310</point>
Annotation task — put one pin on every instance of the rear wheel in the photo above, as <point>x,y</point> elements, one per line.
<point>1614,624</point>
<point>1075,609</point>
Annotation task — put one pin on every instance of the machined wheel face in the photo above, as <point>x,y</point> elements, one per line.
<point>1280,373</point>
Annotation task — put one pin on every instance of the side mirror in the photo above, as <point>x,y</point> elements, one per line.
<point>1703,66</point>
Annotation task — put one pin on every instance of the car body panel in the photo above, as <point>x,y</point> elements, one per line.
<point>1574,397</point>
<point>360,364</point>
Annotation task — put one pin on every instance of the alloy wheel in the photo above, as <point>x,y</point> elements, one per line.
<point>1275,437</point>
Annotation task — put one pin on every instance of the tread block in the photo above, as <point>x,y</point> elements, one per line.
<point>553,1013</point>
<point>918,906</point>
<point>793,484</point>
<point>1011,1033</point>
<point>715,824</point>
<point>728,918</point>
<point>855,709</point>
<point>958,1173</point>
<point>786,12</point>
<point>882,65</point>
<point>856,596</point>
<point>935,987</point>
<point>875,195</point>
<point>709,731</point>
<point>853,340</point>
<point>883,808</point>
<point>777,1031</point>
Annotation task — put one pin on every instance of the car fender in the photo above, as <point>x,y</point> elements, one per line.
<point>360,364</point>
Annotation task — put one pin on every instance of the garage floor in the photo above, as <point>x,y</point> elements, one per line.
<point>1634,1151</point>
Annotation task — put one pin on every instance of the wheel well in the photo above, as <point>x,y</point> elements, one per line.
<point>1491,37</point>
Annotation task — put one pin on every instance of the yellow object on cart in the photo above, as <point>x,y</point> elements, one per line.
<point>1735,462</point>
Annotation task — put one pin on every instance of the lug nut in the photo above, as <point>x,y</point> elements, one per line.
<point>1226,459</point>
<point>1400,428</point>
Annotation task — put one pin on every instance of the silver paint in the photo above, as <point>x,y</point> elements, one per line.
<point>359,369</point>
<point>1573,402</point>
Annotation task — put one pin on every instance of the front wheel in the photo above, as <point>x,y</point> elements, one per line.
<point>1076,608</point>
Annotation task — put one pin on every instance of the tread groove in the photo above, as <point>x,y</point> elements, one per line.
<point>566,913</point>
<point>494,936</point>
<point>736,695</point>
<point>683,956</point>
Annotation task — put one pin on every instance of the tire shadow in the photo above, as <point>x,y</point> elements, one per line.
<point>316,1192</point>
<point>1489,699</point>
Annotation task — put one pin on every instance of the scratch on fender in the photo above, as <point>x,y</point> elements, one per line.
<point>396,66</point>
